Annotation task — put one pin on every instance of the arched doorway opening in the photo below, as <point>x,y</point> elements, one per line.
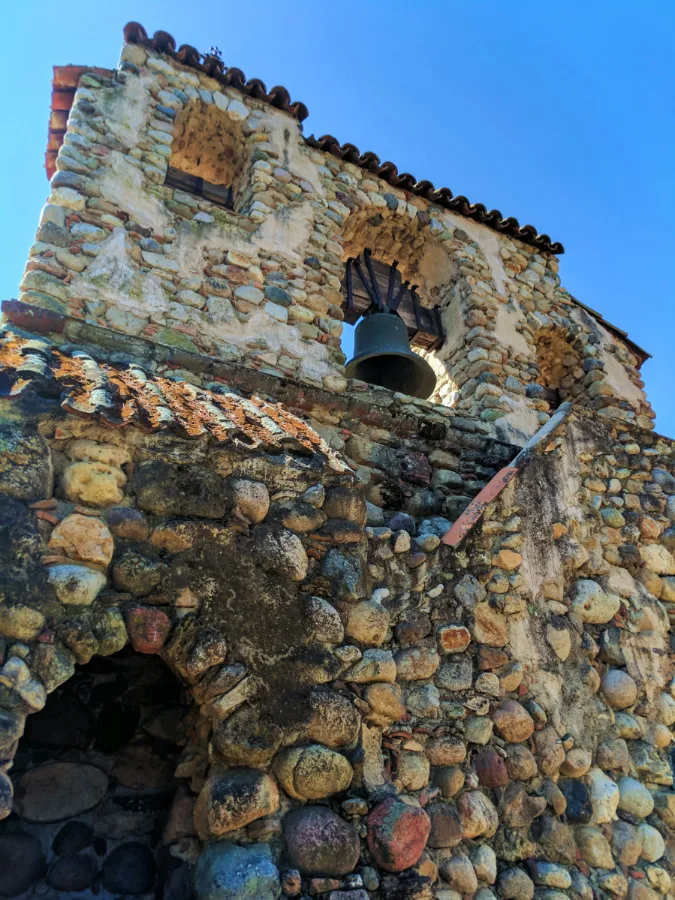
<point>97,806</point>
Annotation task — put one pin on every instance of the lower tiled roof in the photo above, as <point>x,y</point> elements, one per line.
<point>117,395</point>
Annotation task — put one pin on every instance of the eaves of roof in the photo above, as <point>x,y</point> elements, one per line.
<point>443,197</point>
<point>65,84</point>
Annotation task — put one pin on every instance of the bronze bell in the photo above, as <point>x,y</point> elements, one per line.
<point>382,356</point>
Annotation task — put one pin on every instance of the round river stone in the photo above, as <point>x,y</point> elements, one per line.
<point>227,871</point>
<point>130,869</point>
<point>22,862</point>
<point>59,791</point>
<point>397,834</point>
<point>319,842</point>
<point>74,872</point>
<point>73,837</point>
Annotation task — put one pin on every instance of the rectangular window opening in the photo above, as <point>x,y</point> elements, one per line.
<point>220,194</point>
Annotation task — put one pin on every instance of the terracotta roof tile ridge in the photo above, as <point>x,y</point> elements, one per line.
<point>211,65</point>
<point>440,196</point>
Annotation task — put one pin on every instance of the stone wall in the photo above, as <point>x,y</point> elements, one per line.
<point>260,284</point>
<point>372,714</point>
<point>580,756</point>
<point>237,658</point>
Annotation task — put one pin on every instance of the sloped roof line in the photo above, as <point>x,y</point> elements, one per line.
<point>67,77</point>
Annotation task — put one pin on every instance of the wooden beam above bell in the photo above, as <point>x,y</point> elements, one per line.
<point>372,286</point>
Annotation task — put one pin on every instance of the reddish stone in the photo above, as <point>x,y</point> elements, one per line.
<point>491,769</point>
<point>33,318</point>
<point>47,517</point>
<point>454,638</point>
<point>236,274</point>
<point>491,658</point>
<point>397,834</point>
<point>49,503</point>
<point>148,628</point>
<point>415,468</point>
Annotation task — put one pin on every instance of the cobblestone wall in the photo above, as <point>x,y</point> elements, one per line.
<point>261,283</point>
<point>374,715</point>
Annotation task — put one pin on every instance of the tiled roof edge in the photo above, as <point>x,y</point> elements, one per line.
<point>163,42</point>
<point>120,395</point>
<point>279,97</point>
<point>440,196</point>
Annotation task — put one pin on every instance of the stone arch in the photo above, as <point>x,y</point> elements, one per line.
<point>38,664</point>
<point>403,238</point>
<point>428,257</point>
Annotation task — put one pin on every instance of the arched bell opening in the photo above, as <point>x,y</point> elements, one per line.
<point>390,320</point>
<point>98,809</point>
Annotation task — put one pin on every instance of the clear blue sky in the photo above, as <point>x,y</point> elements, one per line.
<point>559,114</point>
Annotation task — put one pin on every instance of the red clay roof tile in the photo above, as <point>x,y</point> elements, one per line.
<point>117,395</point>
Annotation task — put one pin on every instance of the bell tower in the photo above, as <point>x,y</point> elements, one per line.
<point>188,209</point>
